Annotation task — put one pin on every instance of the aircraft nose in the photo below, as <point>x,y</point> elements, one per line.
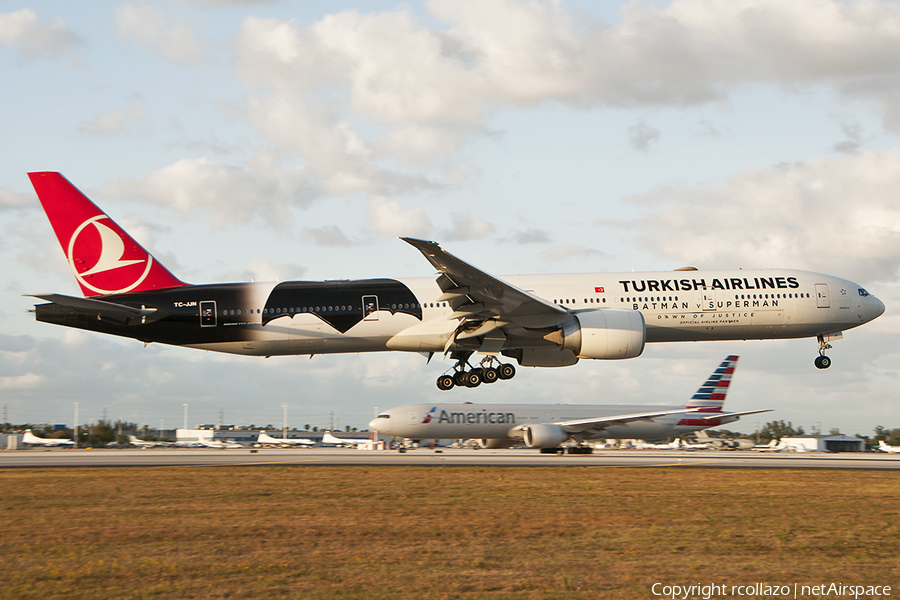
<point>879,308</point>
<point>377,425</point>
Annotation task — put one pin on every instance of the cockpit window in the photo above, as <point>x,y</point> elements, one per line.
<point>863,292</point>
<point>383,417</point>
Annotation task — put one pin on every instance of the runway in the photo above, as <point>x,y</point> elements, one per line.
<point>420,457</point>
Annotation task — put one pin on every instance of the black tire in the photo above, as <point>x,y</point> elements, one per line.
<point>445,382</point>
<point>823,362</point>
<point>460,378</point>
<point>473,379</point>
<point>506,371</point>
<point>489,375</point>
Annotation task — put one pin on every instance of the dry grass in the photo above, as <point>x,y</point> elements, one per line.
<point>451,532</point>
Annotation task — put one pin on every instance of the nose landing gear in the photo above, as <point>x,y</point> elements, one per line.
<point>464,375</point>
<point>822,361</point>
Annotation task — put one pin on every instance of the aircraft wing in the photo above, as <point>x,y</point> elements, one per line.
<point>110,310</point>
<point>580,425</point>
<point>720,415</point>
<point>478,296</point>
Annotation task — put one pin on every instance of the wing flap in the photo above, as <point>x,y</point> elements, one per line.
<point>721,415</point>
<point>476,295</point>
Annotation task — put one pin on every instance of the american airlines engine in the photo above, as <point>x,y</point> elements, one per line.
<point>465,313</point>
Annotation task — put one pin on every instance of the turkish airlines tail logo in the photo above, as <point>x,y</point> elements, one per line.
<point>103,257</point>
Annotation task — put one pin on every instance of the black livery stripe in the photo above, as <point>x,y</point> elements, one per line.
<point>341,304</point>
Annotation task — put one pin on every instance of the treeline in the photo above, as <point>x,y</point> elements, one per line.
<point>96,434</point>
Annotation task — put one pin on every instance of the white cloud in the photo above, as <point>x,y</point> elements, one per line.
<point>34,39</point>
<point>389,218</point>
<point>561,252</point>
<point>641,135</point>
<point>466,226</point>
<point>144,24</point>
<point>266,270</point>
<point>232,3</point>
<point>228,194</point>
<point>839,215</point>
<point>328,236</point>
<point>10,199</point>
<point>355,90</point>
<point>531,236</point>
<point>27,381</point>
<point>114,122</point>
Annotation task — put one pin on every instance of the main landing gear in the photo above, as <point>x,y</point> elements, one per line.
<point>463,375</point>
<point>822,361</point>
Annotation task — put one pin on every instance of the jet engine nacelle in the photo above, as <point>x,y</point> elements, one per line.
<point>609,333</point>
<point>497,443</point>
<point>544,435</point>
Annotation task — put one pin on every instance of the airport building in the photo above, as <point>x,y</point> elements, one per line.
<point>241,436</point>
<point>824,443</point>
<point>11,441</point>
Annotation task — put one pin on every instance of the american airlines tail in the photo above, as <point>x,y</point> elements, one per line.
<point>711,395</point>
<point>103,257</point>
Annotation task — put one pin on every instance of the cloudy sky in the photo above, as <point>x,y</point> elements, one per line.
<point>241,139</point>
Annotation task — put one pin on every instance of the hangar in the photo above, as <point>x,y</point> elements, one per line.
<point>824,443</point>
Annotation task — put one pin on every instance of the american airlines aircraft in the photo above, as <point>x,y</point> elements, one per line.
<point>548,425</point>
<point>538,320</point>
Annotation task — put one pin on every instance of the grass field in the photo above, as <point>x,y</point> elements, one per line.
<point>439,532</point>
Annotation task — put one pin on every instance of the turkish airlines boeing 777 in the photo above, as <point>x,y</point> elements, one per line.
<point>538,320</point>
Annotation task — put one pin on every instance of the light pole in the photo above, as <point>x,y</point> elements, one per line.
<point>284,423</point>
<point>185,415</point>
<point>76,424</point>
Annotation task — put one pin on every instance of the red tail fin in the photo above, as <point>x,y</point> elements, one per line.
<point>103,257</point>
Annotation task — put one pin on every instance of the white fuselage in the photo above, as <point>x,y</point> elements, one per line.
<point>676,306</point>
<point>504,421</point>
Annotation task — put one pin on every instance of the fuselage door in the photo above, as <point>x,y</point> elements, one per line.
<point>822,300</point>
<point>208,313</point>
<point>370,308</point>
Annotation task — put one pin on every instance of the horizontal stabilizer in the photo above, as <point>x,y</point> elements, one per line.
<point>109,310</point>
<point>720,415</point>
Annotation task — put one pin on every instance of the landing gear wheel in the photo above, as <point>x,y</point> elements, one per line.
<point>581,450</point>
<point>506,371</point>
<point>460,378</point>
<point>472,379</point>
<point>445,382</point>
<point>823,362</point>
<point>489,375</point>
